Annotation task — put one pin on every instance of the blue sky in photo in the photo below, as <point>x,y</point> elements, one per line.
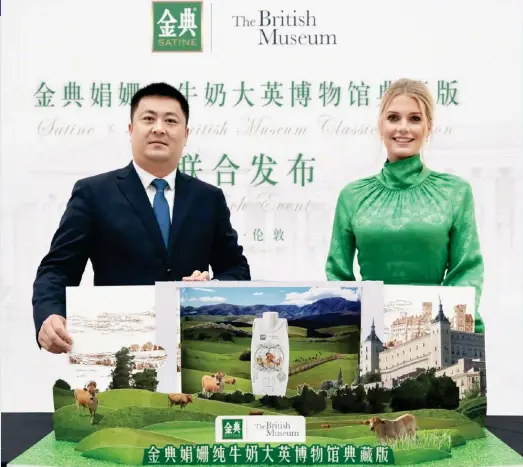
<point>263,295</point>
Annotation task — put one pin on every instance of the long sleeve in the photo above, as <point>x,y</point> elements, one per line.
<point>340,259</point>
<point>65,262</point>
<point>465,266</point>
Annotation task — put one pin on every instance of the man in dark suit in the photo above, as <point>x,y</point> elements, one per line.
<point>143,223</point>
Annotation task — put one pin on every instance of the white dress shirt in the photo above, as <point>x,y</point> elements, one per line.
<point>146,179</point>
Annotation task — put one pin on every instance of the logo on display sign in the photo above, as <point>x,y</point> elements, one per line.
<point>266,429</point>
<point>286,28</point>
<point>232,428</point>
<point>177,26</point>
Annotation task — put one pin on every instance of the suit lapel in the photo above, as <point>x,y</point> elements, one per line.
<point>182,203</point>
<point>132,188</point>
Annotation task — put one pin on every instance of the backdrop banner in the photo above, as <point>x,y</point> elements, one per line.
<point>284,102</point>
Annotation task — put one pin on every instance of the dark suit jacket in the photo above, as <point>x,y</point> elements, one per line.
<point>109,220</point>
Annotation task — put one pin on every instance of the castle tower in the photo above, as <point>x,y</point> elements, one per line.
<point>461,311</point>
<point>427,310</point>
<point>340,378</point>
<point>370,353</point>
<point>440,340</point>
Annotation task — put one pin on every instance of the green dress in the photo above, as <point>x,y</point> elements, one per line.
<point>411,226</point>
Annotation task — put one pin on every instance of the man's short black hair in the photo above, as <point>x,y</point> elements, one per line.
<point>160,89</point>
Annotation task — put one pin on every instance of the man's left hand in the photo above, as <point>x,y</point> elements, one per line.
<point>197,276</point>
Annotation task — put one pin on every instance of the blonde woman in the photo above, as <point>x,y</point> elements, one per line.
<point>410,225</point>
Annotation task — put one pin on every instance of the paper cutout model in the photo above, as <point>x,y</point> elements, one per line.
<point>367,378</point>
<point>104,334</point>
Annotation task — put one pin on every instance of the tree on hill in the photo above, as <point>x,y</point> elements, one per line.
<point>440,392</point>
<point>360,396</point>
<point>61,384</point>
<point>343,400</point>
<point>245,356</point>
<point>426,391</point>
<point>409,395</point>
<point>146,379</point>
<point>309,402</point>
<point>448,393</point>
<point>311,332</point>
<point>371,378</point>
<point>121,375</point>
<point>376,399</point>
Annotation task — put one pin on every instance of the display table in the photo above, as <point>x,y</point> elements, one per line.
<point>20,431</point>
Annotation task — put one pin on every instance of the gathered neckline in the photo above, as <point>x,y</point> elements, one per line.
<point>404,173</point>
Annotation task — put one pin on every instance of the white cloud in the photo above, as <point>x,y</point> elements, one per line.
<point>317,293</point>
<point>208,299</point>
<point>257,293</point>
<point>204,290</point>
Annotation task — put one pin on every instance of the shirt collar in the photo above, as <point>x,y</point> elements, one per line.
<point>146,178</point>
<point>404,173</point>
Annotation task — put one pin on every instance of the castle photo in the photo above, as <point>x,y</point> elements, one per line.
<point>417,340</point>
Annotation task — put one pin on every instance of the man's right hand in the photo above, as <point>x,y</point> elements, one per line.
<point>53,337</point>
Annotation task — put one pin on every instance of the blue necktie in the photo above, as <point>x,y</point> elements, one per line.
<point>161,208</point>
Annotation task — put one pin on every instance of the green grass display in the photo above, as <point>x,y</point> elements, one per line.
<point>125,437</point>
<point>120,398</point>
<point>117,454</point>
<point>419,455</point>
<point>488,450</point>
<point>128,421</point>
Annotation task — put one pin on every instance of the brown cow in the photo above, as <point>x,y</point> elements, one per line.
<point>325,425</point>
<point>90,384</point>
<point>401,427</point>
<point>214,383</point>
<point>179,399</point>
<point>86,398</point>
<point>256,412</point>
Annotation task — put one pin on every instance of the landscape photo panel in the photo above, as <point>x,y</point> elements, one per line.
<point>314,340</point>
